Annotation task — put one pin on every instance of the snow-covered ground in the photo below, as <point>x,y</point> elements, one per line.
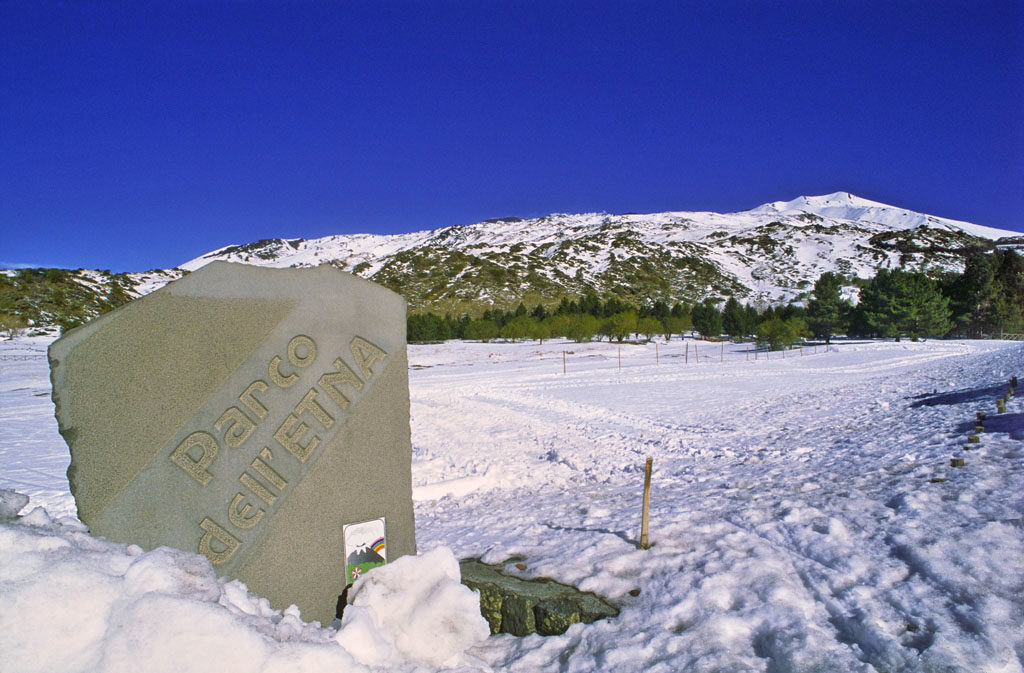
<point>795,520</point>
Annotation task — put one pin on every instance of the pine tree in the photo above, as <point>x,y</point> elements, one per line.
<point>734,319</point>
<point>751,318</point>
<point>590,304</point>
<point>707,320</point>
<point>973,296</point>
<point>826,313</point>
<point>1009,310</point>
<point>660,310</point>
<point>901,303</point>
<point>423,327</point>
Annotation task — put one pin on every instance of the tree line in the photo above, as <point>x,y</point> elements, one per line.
<point>985,300</point>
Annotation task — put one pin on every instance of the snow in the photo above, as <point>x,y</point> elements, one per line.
<point>846,206</point>
<point>850,222</point>
<point>72,602</point>
<point>795,520</point>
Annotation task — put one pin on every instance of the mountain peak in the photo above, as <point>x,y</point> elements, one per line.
<point>815,204</point>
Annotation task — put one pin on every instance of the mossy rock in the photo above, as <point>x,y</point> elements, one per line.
<point>521,607</point>
<point>555,616</point>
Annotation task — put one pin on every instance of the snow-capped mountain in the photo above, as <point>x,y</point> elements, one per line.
<point>770,253</point>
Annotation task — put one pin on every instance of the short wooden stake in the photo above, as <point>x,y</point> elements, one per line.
<point>748,351</point>
<point>563,362</point>
<point>686,355</point>
<point>981,416</point>
<point>721,357</point>
<point>957,462</point>
<point>979,428</point>
<point>620,357</point>
<point>973,439</point>
<point>645,516</point>
<point>696,358</point>
<point>657,360</point>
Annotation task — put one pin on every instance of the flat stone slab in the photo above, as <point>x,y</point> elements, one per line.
<point>249,414</point>
<point>521,607</point>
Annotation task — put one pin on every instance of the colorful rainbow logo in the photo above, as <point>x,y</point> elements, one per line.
<point>378,545</point>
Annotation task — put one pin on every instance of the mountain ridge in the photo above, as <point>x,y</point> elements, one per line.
<point>770,253</point>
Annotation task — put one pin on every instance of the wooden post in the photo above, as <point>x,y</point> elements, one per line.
<point>696,358</point>
<point>657,360</point>
<point>645,517</point>
<point>748,351</point>
<point>801,351</point>
<point>721,357</point>
<point>563,362</point>
<point>687,354</point>
<point>620,357</point>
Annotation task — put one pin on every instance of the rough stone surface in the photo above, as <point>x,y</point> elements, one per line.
<point>248,414</point>
<point>521,607</point>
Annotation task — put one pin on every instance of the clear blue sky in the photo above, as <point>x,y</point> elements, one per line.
<point>139,134</point>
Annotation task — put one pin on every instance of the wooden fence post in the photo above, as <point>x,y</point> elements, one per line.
<point>563,362</point>
<point>645,516</point>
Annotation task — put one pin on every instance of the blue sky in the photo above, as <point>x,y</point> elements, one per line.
<point>136,135</point>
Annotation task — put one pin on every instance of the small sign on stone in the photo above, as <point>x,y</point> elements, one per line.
<point>248,414</point>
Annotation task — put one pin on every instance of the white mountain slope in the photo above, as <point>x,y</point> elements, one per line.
<point>770,253</point>
<point>846,206</point>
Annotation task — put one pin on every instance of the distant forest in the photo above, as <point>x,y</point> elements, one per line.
<point>986,300</point>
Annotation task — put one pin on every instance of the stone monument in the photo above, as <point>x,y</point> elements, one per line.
<point>251,415</point>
